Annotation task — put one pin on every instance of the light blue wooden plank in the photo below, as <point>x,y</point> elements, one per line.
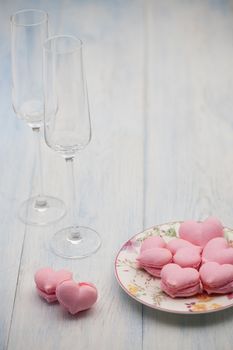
<point>189,143</point>
<point>110,185</point>
<point>15,182</point>
<point>18,167</point>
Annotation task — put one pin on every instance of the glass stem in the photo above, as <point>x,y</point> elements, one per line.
<point>40,201</point>
<point>75,235</point>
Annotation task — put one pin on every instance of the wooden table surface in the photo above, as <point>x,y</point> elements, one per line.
<point>160,77</point>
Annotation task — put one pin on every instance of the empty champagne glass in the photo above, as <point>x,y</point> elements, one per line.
<point>29,29</point>
<point>68,130</point>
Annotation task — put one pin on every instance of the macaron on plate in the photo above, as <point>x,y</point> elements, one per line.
<point>146,287</point>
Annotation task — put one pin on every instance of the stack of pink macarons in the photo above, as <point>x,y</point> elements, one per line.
<point>59,286</point>
<point>199,260</point>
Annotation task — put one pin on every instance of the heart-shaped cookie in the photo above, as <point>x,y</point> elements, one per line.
<point>217,278</point>
<point>177,243</point>
<point>179,282</point>
<point>76,297</point>
<point>199,233</point>
<point>153,242</point>
<point>218,250</point>
<point>188,257</point>
<point>152,260</point>
<point>47,279</point>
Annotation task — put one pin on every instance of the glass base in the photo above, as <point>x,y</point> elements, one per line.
<point>75,243</point>
<point>41,211</point>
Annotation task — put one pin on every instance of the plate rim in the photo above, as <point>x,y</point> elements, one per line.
<point>157,307</point>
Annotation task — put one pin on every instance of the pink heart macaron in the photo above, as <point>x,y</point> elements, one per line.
<point>76,297</point>
<point>177,243</point>
<point>200,233</point>
<point>47,279</point>
<point>152,260</point>
<point>218,250</point>
<point>187,257</point>
<point>217,278</point>
<point>180,282</point>
<point>153,242</point>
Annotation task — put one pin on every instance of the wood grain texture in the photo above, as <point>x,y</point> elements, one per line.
<point>15,183</point>
<point>160,83</point>
<point>109,186</point>
<point>189,142</point>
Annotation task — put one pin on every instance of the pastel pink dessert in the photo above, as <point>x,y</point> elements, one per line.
<point>177,243</point>
<point>152,260</point>
<point>47,279</point>
<point>200,233</point>
<point>180,282</point>
<point>76,297</point>
<point>187,257</point>
<point>153,242</point>
<point>217,278</point>
<point>218,250</point>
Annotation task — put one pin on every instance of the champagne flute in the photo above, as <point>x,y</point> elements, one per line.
<point>29,29</point>
<point>68,131</point>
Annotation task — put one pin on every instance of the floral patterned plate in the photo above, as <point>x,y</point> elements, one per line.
<point>146,289</point>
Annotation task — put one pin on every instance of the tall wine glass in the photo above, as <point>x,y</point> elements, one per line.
<point>68,130</point>
<point>29,29</point>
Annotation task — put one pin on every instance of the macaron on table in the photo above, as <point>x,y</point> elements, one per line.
<point>46,280</point>
<point>59,286</point>
<point>175,266</point>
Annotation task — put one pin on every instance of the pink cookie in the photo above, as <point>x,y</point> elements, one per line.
<point>218,250</point>
<point>76,297</point>
<point>174,244</point>
<point>180,282</point>
<point>152,260</point>
<point>47,279</point>
<point>188,257</point>
<point>217,278</point>
<point>199,233</point>
<point>153,242</point>
<point>50,298</point>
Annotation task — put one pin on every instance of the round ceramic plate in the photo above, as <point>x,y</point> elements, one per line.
<point>141,286</point>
